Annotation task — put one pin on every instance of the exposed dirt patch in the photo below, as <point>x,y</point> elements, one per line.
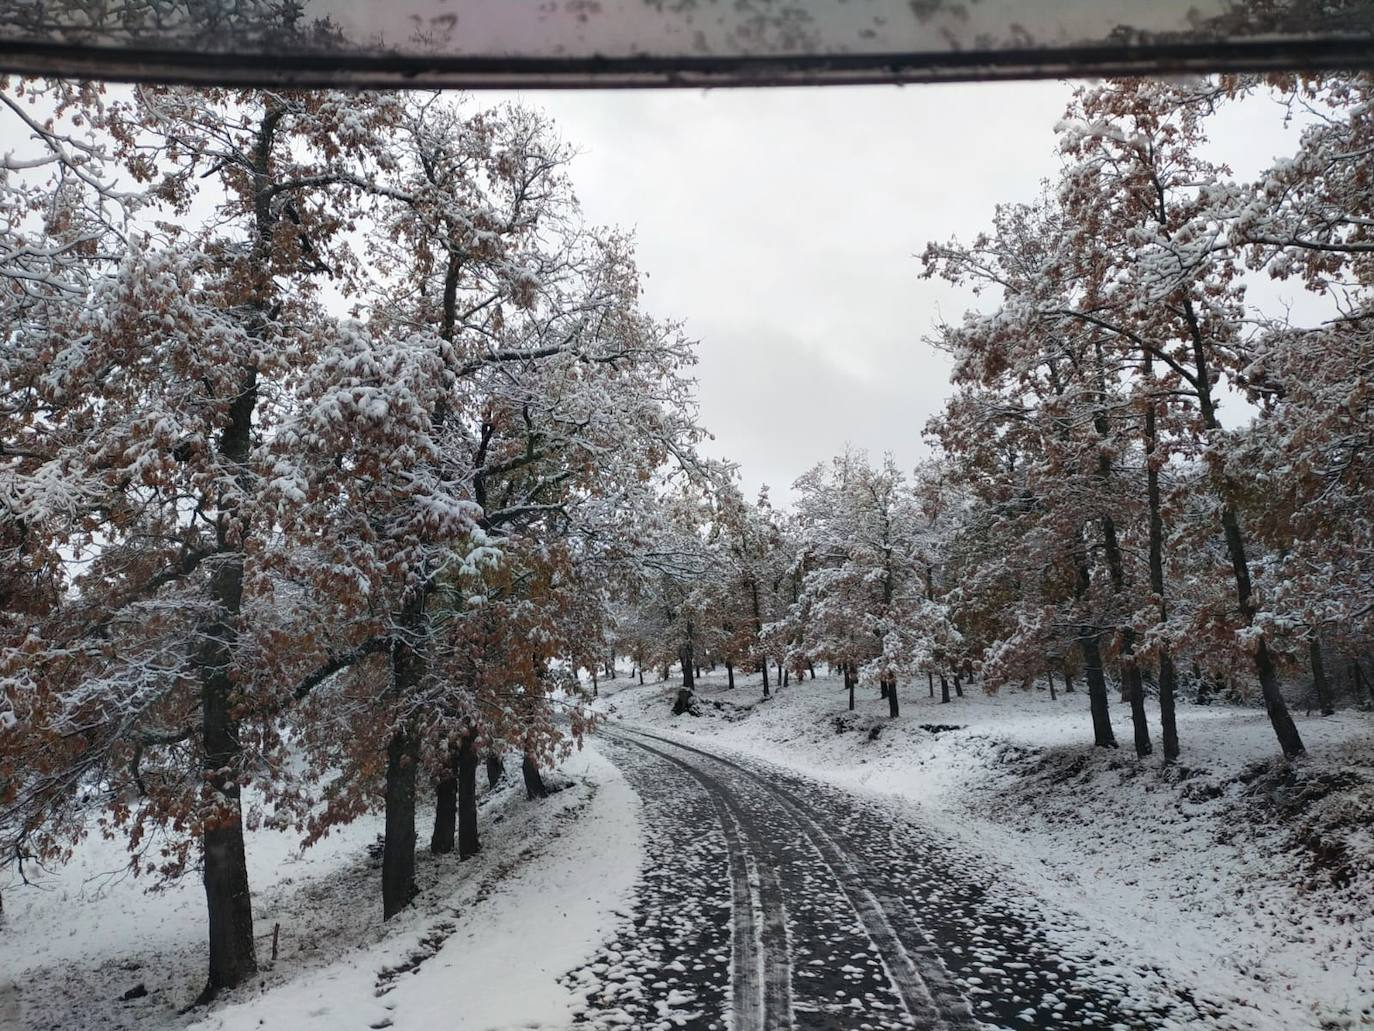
<point>1323,813</point>
<point>940,728</point>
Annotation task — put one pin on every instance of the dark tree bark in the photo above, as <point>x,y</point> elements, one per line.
<point>779,679</point>
<point>686,700</point>
<point>1068,681</point>
<point>228,902</point>
<point>1361,683</point>
<point>1132,689</point>
<point>892,707</point>
<point>1284,728</point>
<point>849,681</point>
<point>785,677</point>
<point>730,674</point>
<point>596,688</point>
<point>811,668</point>
<point>1168,717</point>
<point>534,783</point>
<point>1290,741</point>
<point>1089,646</point>
<point>402,761</point>
<point>1135,689</point>
<point>1204,686</point>
<point>398,850</point>
<point>1319,684</point>
<point>958,687</point>
<point>641,678</point>
<point>944,689</point>
<point>930,682</point>
<point>882,688</point>
<point>496,769</point>
<point>1050,677</point>
<point>468,845</point>
<point>1103,736</point>
<point>441,841</point>
<point>758,632</point>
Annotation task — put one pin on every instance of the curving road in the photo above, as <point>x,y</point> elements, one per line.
<point>771,901</point>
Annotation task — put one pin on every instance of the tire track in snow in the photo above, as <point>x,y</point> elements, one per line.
<point>978,950</point>
<point>761,966</point>
<point>668,965</point>
<point>940,1006</point>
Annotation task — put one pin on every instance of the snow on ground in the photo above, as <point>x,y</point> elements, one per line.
<point>482,948</point>
<point>1233,871</point>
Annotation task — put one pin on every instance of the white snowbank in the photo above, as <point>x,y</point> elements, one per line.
<point>493,934</point>
<point>510,940</point>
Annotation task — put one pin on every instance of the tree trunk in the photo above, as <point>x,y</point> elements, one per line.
<point>1050,677</point>
<point>786,673</point>
<point>730,675</point>
<point>1068,681</point>
<point>1319,684</point>
<point>944,689</point>
<point>1168,720</point>
<point>228,902</point>
<point>778,679</point>
<point>849,681</point>
<point>441,841</point>
<point>398,851</point>
<point>641,677</point>
<point>758,631</point>
<point>930,682</point>
<point>1135,687</point>
<point>468,845</point>
<point>1360,682</point>
<point>1132,688</point>
<point>892,709</point>
<point>686,693</point>
<point>402,761</point>
<point>596,688</point>
<point>496,769</point>
<point>811,668</point>
<point>1204,686</point>
<point>1284,728</point>
<point>882,688</point>
<point>1103,737</point>
<point>958,687</point>
<point>534,783</point>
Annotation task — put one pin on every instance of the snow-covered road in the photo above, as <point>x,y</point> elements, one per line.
<point>773,901</point>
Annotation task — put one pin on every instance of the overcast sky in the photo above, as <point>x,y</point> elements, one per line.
<point>782,226</point>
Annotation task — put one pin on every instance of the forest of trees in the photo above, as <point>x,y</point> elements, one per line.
<point>335,443</point>
<point>1086,514</point>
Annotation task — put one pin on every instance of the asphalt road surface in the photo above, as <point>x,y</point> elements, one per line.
<point>770,901</point>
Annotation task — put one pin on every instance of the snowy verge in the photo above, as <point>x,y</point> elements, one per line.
<point>1238,875</point>
<point>482,947</point>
